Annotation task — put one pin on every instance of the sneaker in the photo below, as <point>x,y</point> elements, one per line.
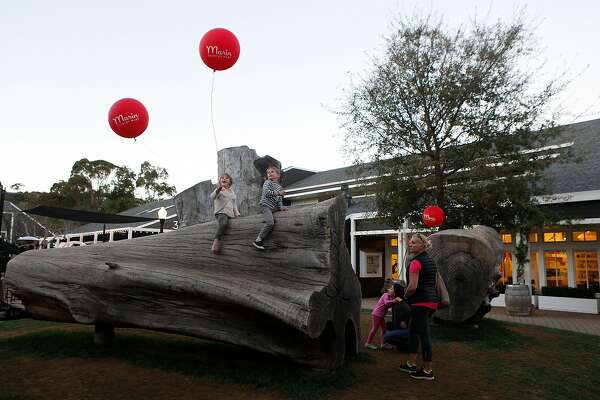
<point>259,244</point>
<point>388,346</point>
<point>371,346</point>
<point>406,367</point>
<point>421,374</point>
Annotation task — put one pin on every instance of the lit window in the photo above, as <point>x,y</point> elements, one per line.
<point>557,272</point>
<point>533,237</point>
<point>394,242</point>
<point>585,236</point>
<point>506,238</point>
<point>551,237</point>
<point>586,269</point>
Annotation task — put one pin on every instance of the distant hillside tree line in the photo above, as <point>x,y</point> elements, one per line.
<point>97,185</point>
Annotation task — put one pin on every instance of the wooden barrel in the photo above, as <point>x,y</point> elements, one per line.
<point>518,300</point>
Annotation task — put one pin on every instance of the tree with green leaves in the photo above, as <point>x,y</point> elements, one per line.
<point>455,118</point>
<point>97,172</point>
<point>121,195</point>
<point>153,179</point>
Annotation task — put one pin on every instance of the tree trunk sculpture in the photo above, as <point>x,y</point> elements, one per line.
<point>468,261</point>
<point>299,298</point>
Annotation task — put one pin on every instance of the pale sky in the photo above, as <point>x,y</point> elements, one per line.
<point>64,63</point>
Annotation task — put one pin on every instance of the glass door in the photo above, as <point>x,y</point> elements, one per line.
<point>586,269</point>
<point>557,272</point>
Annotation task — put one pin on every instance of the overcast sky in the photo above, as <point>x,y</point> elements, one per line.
<point>64,63</point>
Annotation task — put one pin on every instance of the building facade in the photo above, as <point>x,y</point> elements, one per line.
<point>565,255</point>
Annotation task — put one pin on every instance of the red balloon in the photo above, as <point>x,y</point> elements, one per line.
<point>433,216</point>
<point>128,118</point>
<point>219,49</point>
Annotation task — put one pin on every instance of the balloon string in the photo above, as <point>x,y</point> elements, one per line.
<point>212,119</point>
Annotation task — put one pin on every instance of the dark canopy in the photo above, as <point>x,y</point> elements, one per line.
<point>262,163</point>
<point>85,216</point>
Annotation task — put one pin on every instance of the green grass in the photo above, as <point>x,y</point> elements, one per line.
<point>489,334</point>
<point>562,365</point>
<point>182,355</point>
<point>531,362</point>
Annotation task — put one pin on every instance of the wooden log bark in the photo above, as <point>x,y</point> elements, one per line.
<point>300,298</point>
<point>469,261</point>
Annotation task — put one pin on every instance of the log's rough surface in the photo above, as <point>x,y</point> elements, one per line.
<point>469,261</point>
<point>300,298</point>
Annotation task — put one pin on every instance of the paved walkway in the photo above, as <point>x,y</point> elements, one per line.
<point>574,322</point>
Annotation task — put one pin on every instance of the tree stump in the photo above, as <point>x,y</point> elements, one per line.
<point>469,261</point>
<point>299,298</point>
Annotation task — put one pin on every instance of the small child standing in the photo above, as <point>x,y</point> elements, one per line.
<point>271,200</point>
<point>387,300</point>
<point>225,207</point>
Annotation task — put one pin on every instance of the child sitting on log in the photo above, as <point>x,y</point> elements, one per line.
<point>225,207</point>
<point>387,300</point>
<point>271,200</point>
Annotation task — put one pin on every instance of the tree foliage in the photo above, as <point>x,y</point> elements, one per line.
<point>97,185</point>
<point>153,180</point>
<point>450,117</point>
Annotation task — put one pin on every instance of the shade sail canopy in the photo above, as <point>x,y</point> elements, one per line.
<point>85,216</point>
<point>262,163</point>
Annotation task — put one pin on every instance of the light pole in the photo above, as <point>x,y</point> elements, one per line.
<point>162,216</point>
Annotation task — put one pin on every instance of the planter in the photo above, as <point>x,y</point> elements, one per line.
<point>570,304</point>
<point>498,301</point>
<point>518,300</point>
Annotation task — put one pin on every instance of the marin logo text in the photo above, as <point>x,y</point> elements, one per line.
<point>213,51</point>
<point>121,119</point>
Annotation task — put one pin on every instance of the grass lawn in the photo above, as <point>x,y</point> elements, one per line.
<point>44,360</point>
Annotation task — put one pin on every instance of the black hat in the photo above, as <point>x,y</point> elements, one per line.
<point>398,290</point>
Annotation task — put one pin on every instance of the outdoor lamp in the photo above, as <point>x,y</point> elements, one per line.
<point>162,216</point>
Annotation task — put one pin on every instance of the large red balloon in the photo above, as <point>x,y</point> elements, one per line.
<point>128,118</point>
<point>219,49</point>
<point>433,216</point>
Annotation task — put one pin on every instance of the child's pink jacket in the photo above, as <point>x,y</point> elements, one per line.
<point>386,301</point>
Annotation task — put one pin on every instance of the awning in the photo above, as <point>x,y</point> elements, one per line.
<point>85,216</point>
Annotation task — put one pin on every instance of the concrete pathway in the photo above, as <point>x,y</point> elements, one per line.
<point>574,322</point>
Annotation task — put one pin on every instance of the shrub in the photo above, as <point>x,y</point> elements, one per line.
<point>580,293</point>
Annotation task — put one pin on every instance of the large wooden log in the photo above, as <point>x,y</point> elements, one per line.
<point>300,298</point>
<point>468,260</point>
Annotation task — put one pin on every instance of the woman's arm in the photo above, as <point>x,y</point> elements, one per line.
<point>412,284</point>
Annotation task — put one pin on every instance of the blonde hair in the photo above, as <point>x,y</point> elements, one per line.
<point>274,168</point>
<point>226,175</point>
<point>423,239</point>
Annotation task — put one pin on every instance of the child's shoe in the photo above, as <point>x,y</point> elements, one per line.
<point>259,244</point>
<point>371,346</point>
<point>216,246</point>
<point>388,346</point>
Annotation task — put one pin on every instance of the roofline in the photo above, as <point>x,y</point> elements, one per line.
<point>371,177</point>
<point>569,197</point>
<point>298,168</point>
